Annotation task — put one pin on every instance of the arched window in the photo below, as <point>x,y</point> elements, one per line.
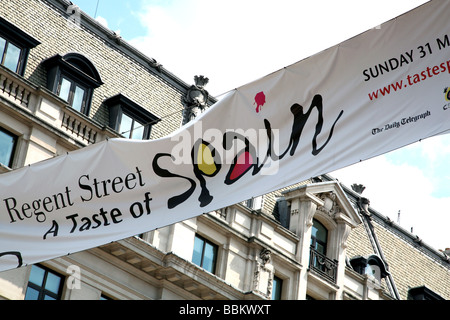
<point>319,236</point>
<point>73,78</point>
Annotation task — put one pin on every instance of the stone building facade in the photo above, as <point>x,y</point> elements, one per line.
<point>67,82</point>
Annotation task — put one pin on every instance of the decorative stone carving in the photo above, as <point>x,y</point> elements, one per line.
<point>330,207</point>
<point>265,256</point>
<point>196,100</point>
<point>263,275</point>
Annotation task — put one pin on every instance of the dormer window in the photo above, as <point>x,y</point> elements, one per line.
<point>73,78</point>
<point>15,46</point>
<point>371,265</point>
<point>130,119</point>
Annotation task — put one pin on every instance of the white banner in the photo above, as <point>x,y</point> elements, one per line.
<point>381,90</point>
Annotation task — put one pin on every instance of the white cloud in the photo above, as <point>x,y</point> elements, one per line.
<point>102,21</point>
<point>235,42</point>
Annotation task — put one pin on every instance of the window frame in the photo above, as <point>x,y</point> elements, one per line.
<point>14,148</point>
<point>278,293</point>
<point>79,71</point>
<point>120,105</point>
<point>13,35</point>
<point>86,101</point>
<point>43,292</point>
<point>215,254</point>
<point>314,241</point>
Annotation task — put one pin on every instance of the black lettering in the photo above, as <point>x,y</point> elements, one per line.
<point>140,207</point>
<point>365,72</point>
<point>140,210</point>
<point>105,189</point>
<point>443,44</point>
<point>11,209</point>
<point>115,213</point>
<point>53,230</point>
<point>17,254</point>
<point>117,181</point>
<point>103,213</point>
<point>86,224</point>
<point>139,173</point>
<point>74,221</point>
<point>174,201</point>
<point>98,223</point>
<point>38,214</point>
<point>85,187</point>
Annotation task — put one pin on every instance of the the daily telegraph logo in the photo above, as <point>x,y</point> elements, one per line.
<point>248,152</point>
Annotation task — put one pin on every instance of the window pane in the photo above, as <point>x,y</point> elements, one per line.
<point>209,258</point>
<point>52,283</point>
<point>319,231</point>
<point>12,57</point>
<point>7,143</point>
<point>198,251</point>
<point>78,99</point>
<point>37,275</point>
<point>138,131</point>
<point>32,294</point>
<point>276,288</point>
<point>2,48</point>
<point>65,89</point>
<point>126,125</point>
<point>47,297</point>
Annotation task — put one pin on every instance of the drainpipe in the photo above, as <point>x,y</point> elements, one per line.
<point>363,205</point>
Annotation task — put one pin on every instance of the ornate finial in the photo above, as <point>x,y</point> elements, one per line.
<point>201,81</point>
<point>359,188</point>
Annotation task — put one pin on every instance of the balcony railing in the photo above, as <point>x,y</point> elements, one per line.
<point>325,267</point>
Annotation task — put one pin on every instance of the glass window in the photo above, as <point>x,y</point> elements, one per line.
<point>138,131</point>
<point>9,55</point>
<point>12,57</point>
<point>2,47</point>
<point>126,125</point>
<point>205,254</point>
<point>276,288</point>
<point>74,94</point>
<point>7,146</point>
<point>78,98</point>
<point>44,284</point>
<point>319,235</point>
<point>64,91</point>
<point>131,128</point>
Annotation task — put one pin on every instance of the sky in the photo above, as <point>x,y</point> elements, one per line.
<point>236,42</point>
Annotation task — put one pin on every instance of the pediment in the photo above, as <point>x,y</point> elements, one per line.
<point>330,199</point>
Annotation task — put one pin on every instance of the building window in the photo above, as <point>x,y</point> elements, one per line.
<point>319,236</point>
<point>73,78</point>
<point>130,119</point>
<point>277,285</point>
<point>371,265</point>
<point>44,284</point>
<point>73,93</point>
<point>205,254</point>
<point>318,261</point>
<point>10,55</point>
<point>15,46</point>
<point>8,142</point>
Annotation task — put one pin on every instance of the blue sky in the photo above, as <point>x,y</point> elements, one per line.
<point>235,42</point>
